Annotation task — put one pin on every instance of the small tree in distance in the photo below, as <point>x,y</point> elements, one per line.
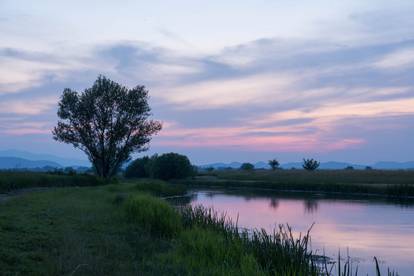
<point>274,164</point>
<point>247,167</point>
<point>108,122</point>
<point>310,164</point>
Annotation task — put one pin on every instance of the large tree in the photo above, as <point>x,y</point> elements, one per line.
<point>108,122</point>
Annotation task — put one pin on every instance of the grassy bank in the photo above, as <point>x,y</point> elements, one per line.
<point>123,229</point>
<point>398,184</point>
<point>10,181</point>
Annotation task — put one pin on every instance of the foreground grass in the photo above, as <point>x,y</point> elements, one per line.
<point>77,231</point>
<point>121,229</point>
<point>398,184</point>
<point>10,181</point>
<point>117,229</point>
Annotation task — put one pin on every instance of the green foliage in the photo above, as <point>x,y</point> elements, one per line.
<point>274,164</point>
<point>310,164</point>
<point>206,252</point>
<point>247,167</point>
<point>172,166</point>
<point>140,167</point>
<point>18,180</point>
<point>274,254</point>
<point>107,121</point>
<point>154,214</point>
<point>160,188</point>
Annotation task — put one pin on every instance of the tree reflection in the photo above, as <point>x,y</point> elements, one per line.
<point>311,205</point>
<point>274,203</point>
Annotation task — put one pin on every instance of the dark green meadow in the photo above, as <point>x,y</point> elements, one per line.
<point>399,184</point>
<point>14,180</point>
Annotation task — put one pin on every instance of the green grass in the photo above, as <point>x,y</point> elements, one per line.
<point>153,214</point>
<point>277,253</point>
<point>10,181</point>
<point>398,184</point>
<point>161,188</point>
<point>61,231</point>
<point>120,229</point>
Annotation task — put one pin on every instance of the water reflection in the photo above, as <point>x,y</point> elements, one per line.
<point>274,203</point>
<point>311,205</point>
<point>377,227</point>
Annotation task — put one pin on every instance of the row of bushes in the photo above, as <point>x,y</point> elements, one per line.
<point>166,166</point>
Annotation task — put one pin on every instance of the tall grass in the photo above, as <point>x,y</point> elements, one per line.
<point>153,214</point>
<point>278,253</point>
<point>161,188</point>
<point>18,180</point>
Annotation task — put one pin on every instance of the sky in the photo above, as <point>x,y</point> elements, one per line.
<point>230,80</point>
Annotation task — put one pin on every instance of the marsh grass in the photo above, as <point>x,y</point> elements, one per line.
<point>161,188</point>
<point>153,214</point>
<point>10,181</point>
<point>199,251</point>
<point>277,253</point>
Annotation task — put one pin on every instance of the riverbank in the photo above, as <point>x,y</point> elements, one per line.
<point>127,229</point>
<point>132,228</point>
<point>393,184</point>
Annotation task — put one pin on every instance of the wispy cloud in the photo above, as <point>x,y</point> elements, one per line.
<point>397,59</point>
<point>28,106</point>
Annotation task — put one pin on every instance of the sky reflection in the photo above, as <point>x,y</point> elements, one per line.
<point>364,228</point>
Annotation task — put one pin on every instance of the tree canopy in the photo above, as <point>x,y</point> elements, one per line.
<point>108,122</point>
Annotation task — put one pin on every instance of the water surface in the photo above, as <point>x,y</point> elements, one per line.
<point>362,227</point>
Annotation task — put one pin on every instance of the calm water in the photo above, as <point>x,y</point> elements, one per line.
<point>364,228</point>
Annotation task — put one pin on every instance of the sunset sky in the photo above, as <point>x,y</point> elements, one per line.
<point>230,80</point>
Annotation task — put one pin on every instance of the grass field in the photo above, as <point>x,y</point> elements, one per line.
<point>10,181</point>
<point>398,184</point>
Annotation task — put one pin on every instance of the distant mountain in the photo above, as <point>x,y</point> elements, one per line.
<point>233,165</point>
<point>65,162</point>
<point>8,162</point>
<point>389,165</point>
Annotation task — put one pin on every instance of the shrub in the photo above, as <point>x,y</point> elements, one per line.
<point>274,164</point>
<point>140,167</point>
<point>172,166</point>
<point>247,167</point>
<point>153,214</point>
<point>310,164</point>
